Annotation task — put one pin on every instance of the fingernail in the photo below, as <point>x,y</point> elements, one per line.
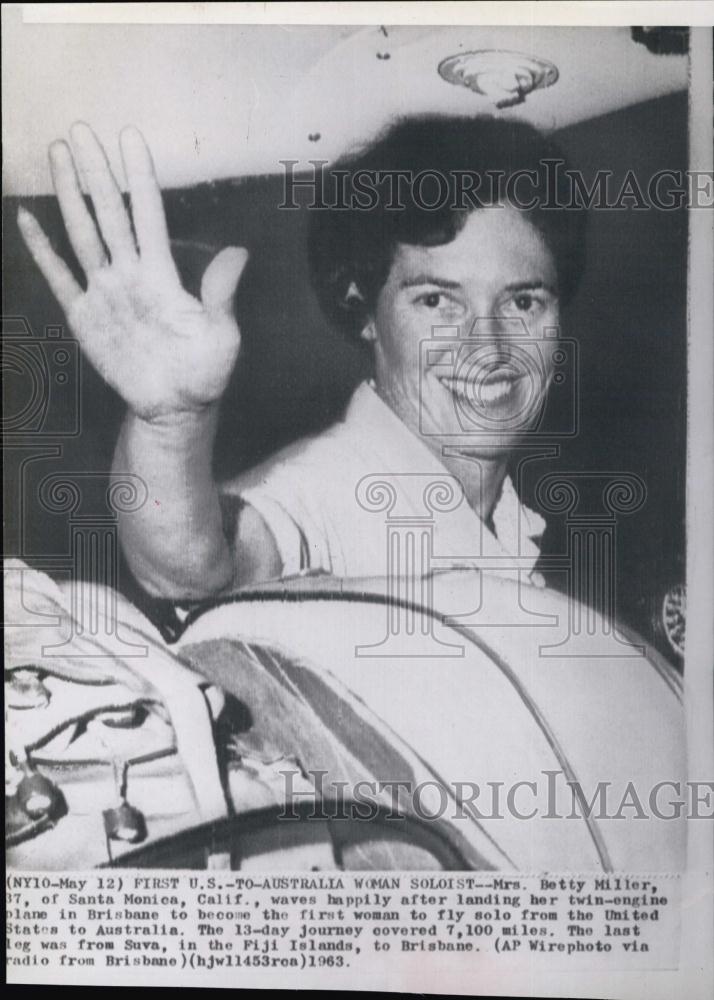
<point>79,130</point>
<point>236,253</point>
<point>58,147</point>
<point>26,220</point>
<point>130,132</point>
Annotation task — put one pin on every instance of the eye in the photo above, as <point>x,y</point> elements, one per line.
<point>438,300</point>
<point>449,308</point>
<point>524,301</point>
<point>528,302</point>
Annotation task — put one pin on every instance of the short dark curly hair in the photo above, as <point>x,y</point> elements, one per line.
<point>468,163</point>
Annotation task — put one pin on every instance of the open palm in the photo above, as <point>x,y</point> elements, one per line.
<point>164,351</point>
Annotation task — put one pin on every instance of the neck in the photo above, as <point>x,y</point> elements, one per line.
<point>481,478</point>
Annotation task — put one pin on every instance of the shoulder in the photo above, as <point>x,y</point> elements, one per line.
<point>319,451</point>
<point>325,457</point>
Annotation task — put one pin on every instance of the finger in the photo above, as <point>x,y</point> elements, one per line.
<point>146,204</point>
<point>220,280</point>
<point>106,196</point>
<point>78,222</point>
<point>58,276</point>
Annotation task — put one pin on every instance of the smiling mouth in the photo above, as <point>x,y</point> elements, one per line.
<point>494,388</point>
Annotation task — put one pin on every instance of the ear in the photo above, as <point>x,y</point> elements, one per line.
<point>352,296</point>
<point>369,332</point>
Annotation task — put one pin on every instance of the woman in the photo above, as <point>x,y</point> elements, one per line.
<point>483,267</point>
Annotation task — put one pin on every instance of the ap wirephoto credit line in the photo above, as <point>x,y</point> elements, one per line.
<point>358,545</point>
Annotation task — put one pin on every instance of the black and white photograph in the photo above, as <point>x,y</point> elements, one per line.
<point>358,479</point>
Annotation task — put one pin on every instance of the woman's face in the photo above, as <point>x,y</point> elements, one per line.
<point>458,333</point>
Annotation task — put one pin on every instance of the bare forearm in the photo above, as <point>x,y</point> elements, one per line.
<point>168,354</point>
<point>175,544</point>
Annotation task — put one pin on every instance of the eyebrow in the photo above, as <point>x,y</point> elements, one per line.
<point>516,286</point>
<point>530,286</point>
<point>428,279</point>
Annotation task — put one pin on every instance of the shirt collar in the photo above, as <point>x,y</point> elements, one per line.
<point>515,524</point>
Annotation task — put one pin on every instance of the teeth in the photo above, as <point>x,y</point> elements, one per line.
<point>489,392</point>
<point>495,390</point>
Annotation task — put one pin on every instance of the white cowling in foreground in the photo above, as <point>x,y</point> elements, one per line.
<point>330,683</point>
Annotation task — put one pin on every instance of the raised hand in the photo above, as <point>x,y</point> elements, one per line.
<point>164,351</point>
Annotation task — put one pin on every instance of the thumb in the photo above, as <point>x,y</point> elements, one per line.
<point>220,279</point>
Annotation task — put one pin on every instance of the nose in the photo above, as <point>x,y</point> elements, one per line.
<point>502,347</point>
<point>498,329</point>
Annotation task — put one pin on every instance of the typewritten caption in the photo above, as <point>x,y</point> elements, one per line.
<point>199,924</point>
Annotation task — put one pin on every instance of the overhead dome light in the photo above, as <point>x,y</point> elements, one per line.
<point>505,78</point>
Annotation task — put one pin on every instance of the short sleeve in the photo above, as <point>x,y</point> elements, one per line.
<point>289,539</point>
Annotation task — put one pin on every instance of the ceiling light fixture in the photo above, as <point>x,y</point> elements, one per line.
<point>505,78</point>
